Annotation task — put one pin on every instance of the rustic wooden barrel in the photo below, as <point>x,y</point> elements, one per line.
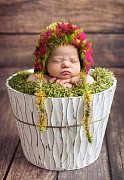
<point>64,145</point>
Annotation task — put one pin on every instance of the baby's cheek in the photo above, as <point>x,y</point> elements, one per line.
<point>76,70</point>
<point>53,69</point>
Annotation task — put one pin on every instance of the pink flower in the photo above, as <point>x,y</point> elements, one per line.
<point>36,54</point>
<point>45,35</point>
<point>61,29</point>
<point>38,66</point>
<point>72,28</point>
<point>88,57</point>
<point>43,50</point>
<point>48,34</point>
<point>87,68</point>
<point>79,38</point>
<point>77,42</point>
<point>42,43</point>
<point>88,47</point>
<point>65,28</point>
<point>58,30</point>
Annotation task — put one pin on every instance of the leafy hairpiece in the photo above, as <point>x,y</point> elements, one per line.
<point>62,34</point>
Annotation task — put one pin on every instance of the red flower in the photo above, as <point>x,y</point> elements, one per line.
<point>45,35</point>
<point>65,28</point>
<point>43,50</point>
<point>79,38</point>
<point>38,66</point>
<point>36,54</point>
<point>42,45</point>
<point>88,57</point>
<point>58,30</point>
<point>72,28</point>
<point>89,47</point>
<point>48,34</point>
<point>77,42</point>
<point>87,68</point>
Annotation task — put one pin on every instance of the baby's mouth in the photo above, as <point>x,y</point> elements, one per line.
<point>65,73</point>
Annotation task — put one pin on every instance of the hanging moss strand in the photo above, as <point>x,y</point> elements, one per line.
<point>87,99</point>
<point>40,102</point>
<point>87,115</point>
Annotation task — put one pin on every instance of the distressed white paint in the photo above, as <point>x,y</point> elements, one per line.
<point>60,148</point>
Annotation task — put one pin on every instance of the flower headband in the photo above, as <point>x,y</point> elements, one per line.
<point>62,34</point>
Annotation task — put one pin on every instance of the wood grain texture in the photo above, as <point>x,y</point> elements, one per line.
<point>115,130</point>
<point>4,74</point>
<point>21,169</point>
<point>17,50</point>
<point>29,16</point>
<point>8,134</point>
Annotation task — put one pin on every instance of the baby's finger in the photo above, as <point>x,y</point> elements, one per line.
<point>64,81</point>
<point>52,80</point>
<point>68,85</point>
<point>58,81</point>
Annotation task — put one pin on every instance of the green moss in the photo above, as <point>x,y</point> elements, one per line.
<point>19,83</point>
<point>103,80</point>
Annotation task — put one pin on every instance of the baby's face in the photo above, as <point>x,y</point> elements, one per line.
<point>64,62</point>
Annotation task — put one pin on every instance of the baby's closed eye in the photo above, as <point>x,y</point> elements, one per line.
<point>56,60</point>
<point>73,60</point>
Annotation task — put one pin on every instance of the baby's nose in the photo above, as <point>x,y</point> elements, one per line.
<point>65,63</point>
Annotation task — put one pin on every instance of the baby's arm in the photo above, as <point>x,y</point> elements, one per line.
<point>67,83</point>
<point>74,80</point>
<point>32,78</point>
<point>63,82</point>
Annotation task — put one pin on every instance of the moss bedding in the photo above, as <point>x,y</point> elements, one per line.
<point>103,80</point>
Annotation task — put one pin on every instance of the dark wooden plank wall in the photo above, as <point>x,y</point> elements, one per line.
<point>21,21</point>
<point>20,24</point>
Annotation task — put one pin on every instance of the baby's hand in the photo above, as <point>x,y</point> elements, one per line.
<point>67,85</point>
<point>32,78</point>
<point>64,82</point>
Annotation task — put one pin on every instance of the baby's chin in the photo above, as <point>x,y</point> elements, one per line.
<point>65,76</point>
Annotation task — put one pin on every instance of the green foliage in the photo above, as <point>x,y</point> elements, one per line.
<point>19,83</point>
<point>103,80</point>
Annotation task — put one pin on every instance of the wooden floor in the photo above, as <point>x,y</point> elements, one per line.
<point>110,164</point>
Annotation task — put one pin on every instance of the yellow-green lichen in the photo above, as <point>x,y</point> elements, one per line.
<point>103,80</point>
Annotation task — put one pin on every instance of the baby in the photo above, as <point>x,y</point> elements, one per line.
<point>63,67</point>
<point>61,53</point>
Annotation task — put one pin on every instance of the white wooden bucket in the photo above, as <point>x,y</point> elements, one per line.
<point>60,148</point>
